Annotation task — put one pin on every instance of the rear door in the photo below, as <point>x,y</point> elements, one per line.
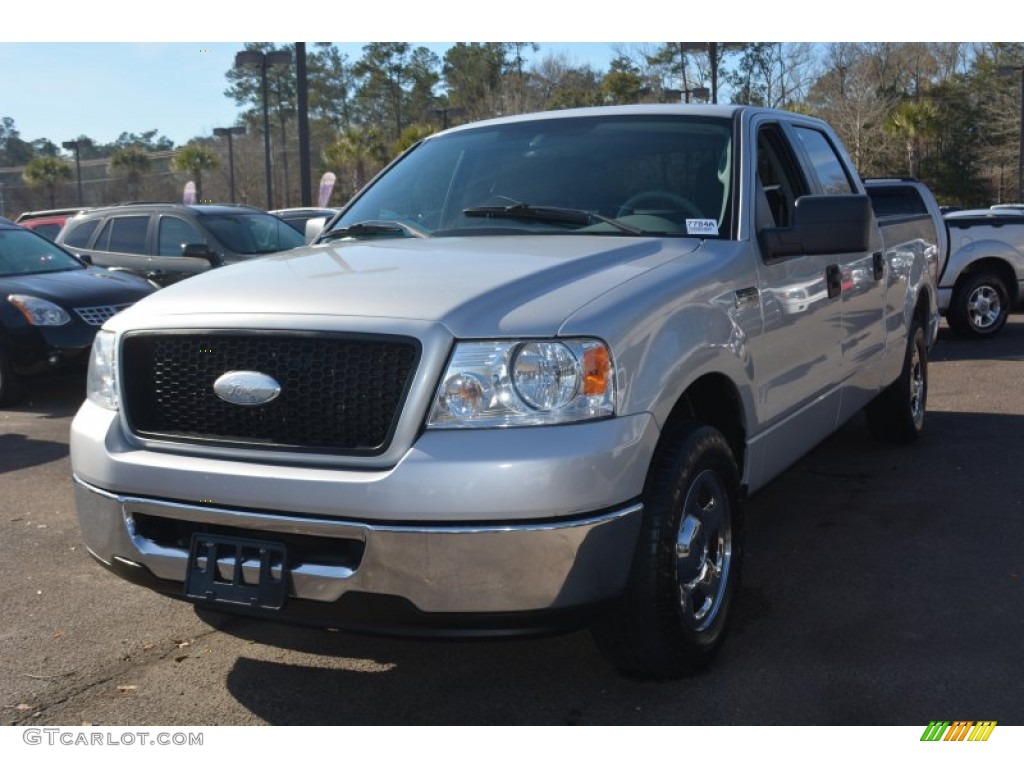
<point>862,276</point>
<point>123,243</point>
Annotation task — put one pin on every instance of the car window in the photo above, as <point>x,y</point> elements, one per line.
<point>49,231</point>
<point>124,234</point>
<point>25,253</point>
<point>298,223</point>
<point>778,176</point>
<point>79,233</point>
<point>252,233</point>
<point>827,166</point>
<point>658,172</point>
<point>174,233</point>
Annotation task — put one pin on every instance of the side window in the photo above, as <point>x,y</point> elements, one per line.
<point>826,163</point>
<point>778,177</point>
<point>49,231</point>
<point>174,233</point>
<point>78,237</point>
<point>124,234</point>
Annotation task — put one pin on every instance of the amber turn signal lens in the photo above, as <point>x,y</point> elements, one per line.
<point>597,368</point>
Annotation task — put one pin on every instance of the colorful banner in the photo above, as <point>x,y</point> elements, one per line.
<point>326,187</point>
<point>189,197</point>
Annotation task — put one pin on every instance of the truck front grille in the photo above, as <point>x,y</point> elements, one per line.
<point>340,393</point>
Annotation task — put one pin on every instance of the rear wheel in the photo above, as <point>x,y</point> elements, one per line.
<point>672,619</point>
<point>897,414</point>
<point>980,306</point>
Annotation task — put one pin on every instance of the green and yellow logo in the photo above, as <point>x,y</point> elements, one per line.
<point>960,730</point>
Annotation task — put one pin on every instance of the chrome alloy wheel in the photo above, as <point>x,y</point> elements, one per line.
<point>984,307</point>
<point>704,550</point>
<point>918,386</point>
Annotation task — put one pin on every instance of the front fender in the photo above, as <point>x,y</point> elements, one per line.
<point>678,323</point>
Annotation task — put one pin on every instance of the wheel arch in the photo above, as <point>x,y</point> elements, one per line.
<point>1000,267</point>
<point>713,400</point>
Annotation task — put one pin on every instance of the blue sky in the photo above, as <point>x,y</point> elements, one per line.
<point>89,80</point>
<point>63,90</point>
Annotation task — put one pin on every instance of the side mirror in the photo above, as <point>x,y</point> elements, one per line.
<point>822,224</point>
<point>202,251</point>
<point>314,227</point>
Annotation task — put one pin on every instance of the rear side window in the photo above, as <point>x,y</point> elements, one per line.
<point>79,234</point>
<point>826,163</point>
<point>896,201</point>
<point>124,234</point>
<point>49,231</point>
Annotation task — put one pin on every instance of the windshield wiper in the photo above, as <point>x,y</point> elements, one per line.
<point>373,227</point>
<point>547,213</point>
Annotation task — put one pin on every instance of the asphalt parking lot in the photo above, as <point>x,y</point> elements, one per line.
<point>882,586</point>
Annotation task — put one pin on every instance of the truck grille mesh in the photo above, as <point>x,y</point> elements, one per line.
<point>340,393</point>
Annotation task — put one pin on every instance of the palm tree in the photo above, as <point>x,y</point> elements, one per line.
<point>355,148</point>
<point>913,121</point>
<point>410,135</point>
<point>132,163</point>
<point>195,158</point>
<point>47,172</point>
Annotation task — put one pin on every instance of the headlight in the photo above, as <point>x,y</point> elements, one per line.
<point>524,383</point>
<point>101,382</point>
<point>39,311</point>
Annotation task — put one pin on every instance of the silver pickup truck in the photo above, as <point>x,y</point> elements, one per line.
<point>521,383</point>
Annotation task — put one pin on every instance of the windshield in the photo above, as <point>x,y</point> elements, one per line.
<point>25,253</point>
<point>252,233</point>
<point>612,174</point>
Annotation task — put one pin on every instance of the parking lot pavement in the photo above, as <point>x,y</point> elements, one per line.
<point>882,585</point>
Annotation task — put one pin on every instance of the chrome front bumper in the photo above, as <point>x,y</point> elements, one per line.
<point>445,568</point>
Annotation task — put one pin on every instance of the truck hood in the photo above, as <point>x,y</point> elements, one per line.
<point>475,286</point>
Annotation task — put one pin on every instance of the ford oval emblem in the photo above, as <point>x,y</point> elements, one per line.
<point>246,388</point>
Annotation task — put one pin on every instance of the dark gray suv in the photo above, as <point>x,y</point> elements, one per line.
<point>166,242</point>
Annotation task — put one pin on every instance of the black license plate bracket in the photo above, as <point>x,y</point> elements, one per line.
<point>239,571</point>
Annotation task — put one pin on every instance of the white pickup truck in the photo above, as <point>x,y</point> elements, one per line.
<point>522,382</point>
<point>981,255</point>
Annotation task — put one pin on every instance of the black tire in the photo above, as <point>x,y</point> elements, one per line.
<point>896,415</point>
<point>10,384</point>
<point>980,306</point>
<point>659,628</point>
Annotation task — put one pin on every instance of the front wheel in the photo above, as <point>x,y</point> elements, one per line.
<point>980,306</point>
<point>672,618</point>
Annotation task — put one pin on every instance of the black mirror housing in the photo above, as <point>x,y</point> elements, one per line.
<point>822,224</point>
<point>201,251</point>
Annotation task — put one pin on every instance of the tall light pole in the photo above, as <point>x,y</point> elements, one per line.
<point>262,61</point>
<point>1020,150</point>
<point>75,145</point>
<point>235,130</point>
<point>302,98</point>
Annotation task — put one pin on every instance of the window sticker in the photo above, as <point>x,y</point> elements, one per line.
<point>701,227</point>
